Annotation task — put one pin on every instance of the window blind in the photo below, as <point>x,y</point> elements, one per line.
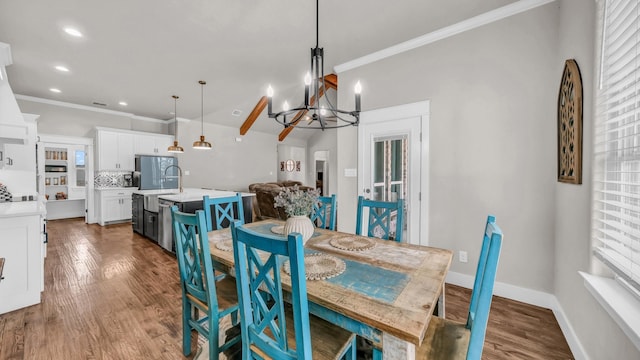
<point>616,176</point>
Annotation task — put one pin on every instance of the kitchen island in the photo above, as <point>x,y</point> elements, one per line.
<point>189,201</point>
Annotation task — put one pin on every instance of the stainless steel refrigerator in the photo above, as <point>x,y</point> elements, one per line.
<point>156,172</point>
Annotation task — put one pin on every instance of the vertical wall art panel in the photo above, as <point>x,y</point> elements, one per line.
<point>570,125</point>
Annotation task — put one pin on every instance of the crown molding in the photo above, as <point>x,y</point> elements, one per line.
<point>94,109</point>
<point>5,54</point>
<point>443,33</point>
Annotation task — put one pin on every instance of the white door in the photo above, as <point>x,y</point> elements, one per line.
<point>393,162</point>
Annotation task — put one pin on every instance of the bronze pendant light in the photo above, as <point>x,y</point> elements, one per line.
<point>202,144</point>
<point>175,148</point>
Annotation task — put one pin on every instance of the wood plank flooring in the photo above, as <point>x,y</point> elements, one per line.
<point>112,294</point>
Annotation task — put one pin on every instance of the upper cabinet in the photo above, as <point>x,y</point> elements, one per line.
<point>115,150</point>
<point>152,144</point>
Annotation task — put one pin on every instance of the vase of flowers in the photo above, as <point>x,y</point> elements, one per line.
<point>298,205</point>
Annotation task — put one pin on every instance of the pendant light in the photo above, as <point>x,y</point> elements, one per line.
<point>202,144</point>
<point>175,148</point>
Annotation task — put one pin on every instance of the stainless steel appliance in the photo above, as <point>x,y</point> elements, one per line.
<point>150,172</point>
<point>127,179</point>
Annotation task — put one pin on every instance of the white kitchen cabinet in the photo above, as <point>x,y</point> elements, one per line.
<point>152,144</point>
<point>21,246</point>
<point>116,150</point>
<point>114,204</point>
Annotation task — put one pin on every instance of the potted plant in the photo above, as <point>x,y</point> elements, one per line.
<point>298,205</point>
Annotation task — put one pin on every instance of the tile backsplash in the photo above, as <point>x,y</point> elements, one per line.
<point>107,179</point>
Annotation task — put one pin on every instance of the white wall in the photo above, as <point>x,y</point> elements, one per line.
<point>492,138</point>
<point>598,333</point>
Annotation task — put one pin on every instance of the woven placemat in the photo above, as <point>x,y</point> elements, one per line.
<point>319,266</point>
<point>278,229</point>
<point>352,243</point>
<point>225,242</point>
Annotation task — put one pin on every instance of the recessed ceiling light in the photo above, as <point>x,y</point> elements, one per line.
<point>73,32</point>
<point>236,112</point>
<point>122,103</point>
<point>55,90</point>
<point>62,68</point>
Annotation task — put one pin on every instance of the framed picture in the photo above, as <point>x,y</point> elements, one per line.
<point>47,181</point>
<point>55,181</point>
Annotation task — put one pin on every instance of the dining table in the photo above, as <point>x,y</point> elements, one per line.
<point>382,290</point>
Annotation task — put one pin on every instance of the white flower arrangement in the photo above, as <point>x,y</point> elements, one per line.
<point>297,202</point>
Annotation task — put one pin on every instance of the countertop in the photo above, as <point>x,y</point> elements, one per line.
<point>192,194</point>
<point>22,208</point>
<point>116,188</point>
<point>156,192</point>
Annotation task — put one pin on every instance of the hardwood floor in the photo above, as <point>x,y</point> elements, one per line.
<point>112,294</point>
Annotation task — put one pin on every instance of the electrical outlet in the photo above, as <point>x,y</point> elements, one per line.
<point>187,172</point>
<point>462,256</point>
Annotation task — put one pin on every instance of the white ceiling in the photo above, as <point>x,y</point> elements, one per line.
<point>144,51</point>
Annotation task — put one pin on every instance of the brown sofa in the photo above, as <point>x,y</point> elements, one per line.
<point>265,198</point>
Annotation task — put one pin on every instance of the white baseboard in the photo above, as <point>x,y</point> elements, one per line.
<point>533,297</point>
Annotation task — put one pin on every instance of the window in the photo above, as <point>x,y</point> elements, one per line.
<point>616,182</point>
<point>80,169</point>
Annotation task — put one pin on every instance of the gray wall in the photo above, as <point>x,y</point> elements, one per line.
<point>493,94</point>
<point>598,333</point>
<point>492,138</point>
<point>230,165</point>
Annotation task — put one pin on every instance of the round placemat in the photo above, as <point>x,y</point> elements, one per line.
<point>224,241</point>
<point>278,229</point>
<point>352,243</point>
<point>319,266</point>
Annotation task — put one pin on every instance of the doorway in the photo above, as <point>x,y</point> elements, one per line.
<point>321,172</point>
<point>393,163</point>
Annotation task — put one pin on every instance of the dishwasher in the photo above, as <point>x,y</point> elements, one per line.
<point>165,230</point>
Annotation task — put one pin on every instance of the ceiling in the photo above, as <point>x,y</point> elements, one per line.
<point>144,51</point>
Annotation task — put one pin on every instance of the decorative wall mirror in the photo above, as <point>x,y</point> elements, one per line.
<point>570,125</point>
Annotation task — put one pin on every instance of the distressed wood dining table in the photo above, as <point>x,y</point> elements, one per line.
<point>386,294</point>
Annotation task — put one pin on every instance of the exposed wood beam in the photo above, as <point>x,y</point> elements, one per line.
<point>257,110</point>
<point>299,116</point>
<point>331,81</point>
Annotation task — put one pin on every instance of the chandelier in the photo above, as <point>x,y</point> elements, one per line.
<point>314,113</point>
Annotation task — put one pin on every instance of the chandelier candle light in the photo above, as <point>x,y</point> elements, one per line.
<point>175,148</point>
<point>202,144</point>
<point>325,116</point>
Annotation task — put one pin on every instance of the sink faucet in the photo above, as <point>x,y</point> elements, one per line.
<point>179,175</point>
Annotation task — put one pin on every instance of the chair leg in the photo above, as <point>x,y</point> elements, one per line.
<point>377,354</point>
<point>214,346</point>
<point>186,328</point>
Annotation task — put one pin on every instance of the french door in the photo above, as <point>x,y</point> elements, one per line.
<point>393,162</point>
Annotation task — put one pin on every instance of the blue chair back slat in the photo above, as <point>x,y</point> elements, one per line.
<point>256,276</point>
<point>380,218</point>
<point>324,212</point>
<point>222,211</point>
<point>482,293</point>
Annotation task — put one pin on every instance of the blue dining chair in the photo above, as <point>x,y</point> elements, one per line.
<point>221,211</point>
<point>447,339</point>
<point>200,292</point>
<point>380,218</point>
<point>324,212</point>
<point>270,328</point>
